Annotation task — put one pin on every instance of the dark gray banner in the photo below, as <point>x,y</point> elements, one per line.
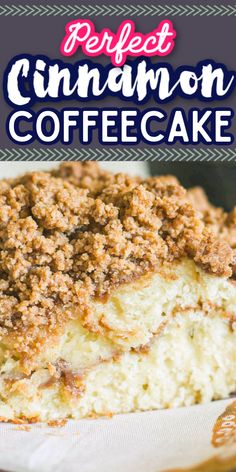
<point>205,30</point>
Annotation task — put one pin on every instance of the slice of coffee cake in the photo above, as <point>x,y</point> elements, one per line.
<point>116,295</point>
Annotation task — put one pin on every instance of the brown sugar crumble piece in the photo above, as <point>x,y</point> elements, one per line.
<point>57,423</point>
<point>23,427</point>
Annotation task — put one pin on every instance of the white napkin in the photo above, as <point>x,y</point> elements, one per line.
<point>139,442</point>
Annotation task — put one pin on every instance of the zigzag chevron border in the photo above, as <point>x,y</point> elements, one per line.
<point>117,10</point>
<point>208,155</point>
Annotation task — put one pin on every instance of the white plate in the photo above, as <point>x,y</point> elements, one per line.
<point>12,169</point>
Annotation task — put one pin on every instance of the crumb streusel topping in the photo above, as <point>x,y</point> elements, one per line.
<point>220,223</point>
<point>74,233</point>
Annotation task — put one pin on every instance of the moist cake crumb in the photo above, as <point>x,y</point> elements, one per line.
<point>73,234</point>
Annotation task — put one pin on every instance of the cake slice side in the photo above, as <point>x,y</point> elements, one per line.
<point>105,277</point>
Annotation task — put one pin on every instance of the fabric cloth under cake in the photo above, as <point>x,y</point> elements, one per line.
<point>157,441</point>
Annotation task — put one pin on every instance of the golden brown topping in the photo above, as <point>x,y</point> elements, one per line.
<point>216,219</point>
<point>75,233</point>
